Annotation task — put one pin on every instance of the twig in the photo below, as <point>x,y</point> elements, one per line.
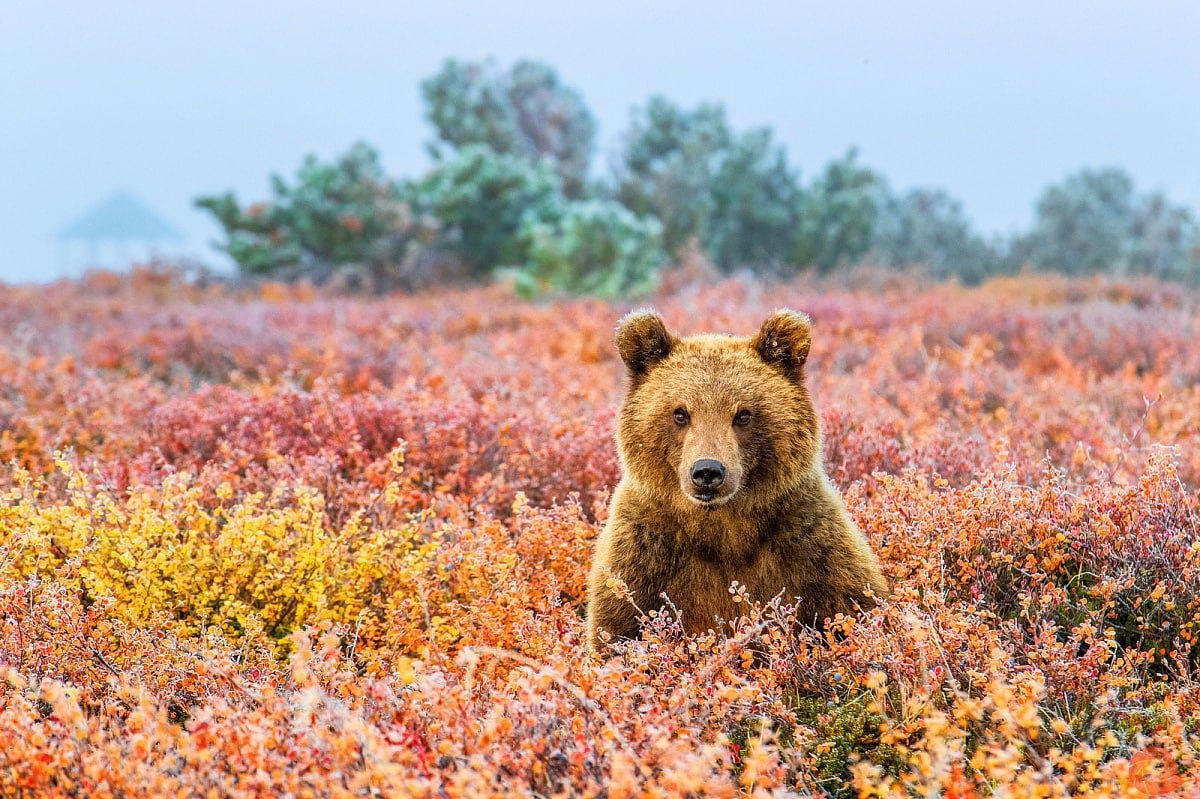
<point>96,654</point>
<point>571,688</point>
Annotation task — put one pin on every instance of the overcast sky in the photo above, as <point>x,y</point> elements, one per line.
<point>989,100</point>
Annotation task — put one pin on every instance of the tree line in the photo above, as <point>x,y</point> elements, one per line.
<point>512,192</point>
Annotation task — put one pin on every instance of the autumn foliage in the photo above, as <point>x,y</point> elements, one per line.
<point>269,542</point>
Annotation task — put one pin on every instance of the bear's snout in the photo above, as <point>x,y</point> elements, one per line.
<point>708,474</point>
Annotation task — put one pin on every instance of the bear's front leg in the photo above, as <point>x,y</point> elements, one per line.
<point>608,612</point>
<point>628,576</point>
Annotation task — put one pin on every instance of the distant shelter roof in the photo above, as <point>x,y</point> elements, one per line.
<point>120,217</point>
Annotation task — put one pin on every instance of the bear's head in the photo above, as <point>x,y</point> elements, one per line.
<point>716,420</point>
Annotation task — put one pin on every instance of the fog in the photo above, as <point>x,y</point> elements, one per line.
<point>167,101</point>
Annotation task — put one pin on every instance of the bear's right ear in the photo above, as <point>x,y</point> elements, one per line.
<point>643,341</point>
<point>784,341</point>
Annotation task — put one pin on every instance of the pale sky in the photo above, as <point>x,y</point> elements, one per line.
<point>991,101</point>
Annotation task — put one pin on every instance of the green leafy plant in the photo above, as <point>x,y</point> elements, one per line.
<point>755,204</point>
<point>735,194</point>
<point>838,213</point>
<point>482,200</point>
<point>927,229</point>
<point>1094,221</point>
<point>334,215</point>
<point>666,169</point>
<point>596,247</point>
<point>525,112</point>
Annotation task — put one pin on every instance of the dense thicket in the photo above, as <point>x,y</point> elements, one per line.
<point>277,541</point>
<point>513,191</point>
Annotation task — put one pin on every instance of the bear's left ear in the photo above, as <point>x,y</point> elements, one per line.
<point>784,340</point>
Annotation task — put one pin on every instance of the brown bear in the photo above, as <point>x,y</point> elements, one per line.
<point>722,480</point>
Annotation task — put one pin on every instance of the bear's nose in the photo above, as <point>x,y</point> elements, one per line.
<point>707,473</point>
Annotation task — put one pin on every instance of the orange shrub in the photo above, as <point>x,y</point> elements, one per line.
<point>264,543</point>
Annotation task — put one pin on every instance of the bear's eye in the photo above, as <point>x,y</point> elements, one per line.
<point>742,418</point>
<point>680,416</point>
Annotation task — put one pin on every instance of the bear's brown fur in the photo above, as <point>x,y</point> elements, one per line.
<point>765,515</point>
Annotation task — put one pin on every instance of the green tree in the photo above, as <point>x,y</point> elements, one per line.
<point>734,194</point>
<point>525,112</point>
<point>755,200</point>
<point>1083,224</point>
<point>482,199</point>
<point>333,215</point>
<point>838,213</point>
<point>596,247</point>
<point>667,165</point>
<point>1094,221</point>
<point>928,228</point>
<point>1166,240</point>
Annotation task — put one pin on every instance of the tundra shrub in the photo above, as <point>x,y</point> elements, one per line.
<point>335,215</point>
<point>483,200</point>
<point>596,247</point>
<point>525,111</point>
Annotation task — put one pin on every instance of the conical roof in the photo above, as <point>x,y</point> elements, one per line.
<point>119,217</point>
